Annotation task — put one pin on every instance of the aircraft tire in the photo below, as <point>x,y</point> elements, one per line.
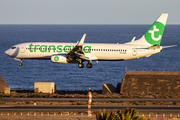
<point>80,65</point>
<point>20,63</point>
<point>89,65</point>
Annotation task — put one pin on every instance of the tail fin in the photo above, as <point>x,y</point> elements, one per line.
<point>154,34</point>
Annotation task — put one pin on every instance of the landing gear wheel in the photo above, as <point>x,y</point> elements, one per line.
<point>20,63</point>
<point>89,65</point>
<point>80,65</point>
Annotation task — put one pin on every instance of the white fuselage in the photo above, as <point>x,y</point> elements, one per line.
<point>96,51</point>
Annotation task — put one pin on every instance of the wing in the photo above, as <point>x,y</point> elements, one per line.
<point>77,54</point>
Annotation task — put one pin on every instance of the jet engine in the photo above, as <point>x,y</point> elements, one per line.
<point>58,59</point>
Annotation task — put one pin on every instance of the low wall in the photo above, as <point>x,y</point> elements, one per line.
<point>149,82</point>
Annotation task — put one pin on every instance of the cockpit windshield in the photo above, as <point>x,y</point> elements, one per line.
<point>13,48</point>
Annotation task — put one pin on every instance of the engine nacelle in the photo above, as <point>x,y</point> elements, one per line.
<point>58,59</point>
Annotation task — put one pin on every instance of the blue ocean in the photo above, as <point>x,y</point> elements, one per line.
<point>69,76</point>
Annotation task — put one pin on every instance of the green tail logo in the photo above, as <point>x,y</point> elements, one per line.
<point>154,35</point>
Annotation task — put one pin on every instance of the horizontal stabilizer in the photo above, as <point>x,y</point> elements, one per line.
<point>169,46</point>
<point>133,39</point>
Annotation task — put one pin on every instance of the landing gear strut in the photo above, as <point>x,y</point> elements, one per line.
<point>80,65</point>
<point>20,62</point>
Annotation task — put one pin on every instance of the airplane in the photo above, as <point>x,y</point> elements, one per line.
<point>146,46</point>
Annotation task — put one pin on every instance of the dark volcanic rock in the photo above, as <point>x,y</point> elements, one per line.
<point>150,82</point>
<point>3,84</point>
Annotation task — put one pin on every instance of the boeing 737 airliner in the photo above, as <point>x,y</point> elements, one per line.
<point>79,52</point>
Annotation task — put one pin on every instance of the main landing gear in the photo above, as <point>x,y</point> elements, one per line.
<point>89,65</point>
<point>81,65</point>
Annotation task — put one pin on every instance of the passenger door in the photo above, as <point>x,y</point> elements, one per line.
<point>22,49</point>
<point>134,51</point>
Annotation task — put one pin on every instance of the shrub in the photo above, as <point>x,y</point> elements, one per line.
<point>125,114</point>
<point>136,103</point>
<point>137,96</point>
<point>125,96</point>
<point>73,103</point>
<point>176,103</point>
<point>11,95</point>
<point>105,115</point>
<point>128,114</point>
<point>94,101</point>
<point>94,93</point>
<point>114,101</point>
<point>36,96</point>
<point>104,101</point>
<point>153,102</point>
<point>171,96</point>
<point>178,96</point>
<point>22,96</point>
<point>81,103</point>
<point>1,102</point>
<point>28,102</point>
<point>2,95</point>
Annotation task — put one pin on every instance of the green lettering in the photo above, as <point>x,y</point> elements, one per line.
<point>50,48</point>
<point>35,47</point>
<point>44,47</point>
<point>87,47</point>
<point>30,47</point>
<point>67,46</point>
<point>59,49</point>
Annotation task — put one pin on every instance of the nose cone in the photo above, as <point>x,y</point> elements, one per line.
<point>7,52</point>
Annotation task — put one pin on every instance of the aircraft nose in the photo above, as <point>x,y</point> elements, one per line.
<point>7,52</point>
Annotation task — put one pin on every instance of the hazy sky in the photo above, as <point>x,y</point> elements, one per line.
<point>87,11</point>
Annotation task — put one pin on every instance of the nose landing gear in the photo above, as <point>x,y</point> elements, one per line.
<point>20,63</point>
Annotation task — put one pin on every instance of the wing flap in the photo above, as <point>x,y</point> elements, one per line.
<point>77,52</point>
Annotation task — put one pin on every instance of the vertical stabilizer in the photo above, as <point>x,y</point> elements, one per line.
<point>154,34</point>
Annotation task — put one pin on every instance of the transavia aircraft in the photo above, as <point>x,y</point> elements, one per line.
<point>79,52</point>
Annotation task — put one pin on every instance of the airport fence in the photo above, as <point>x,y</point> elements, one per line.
<point>147,115</point>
